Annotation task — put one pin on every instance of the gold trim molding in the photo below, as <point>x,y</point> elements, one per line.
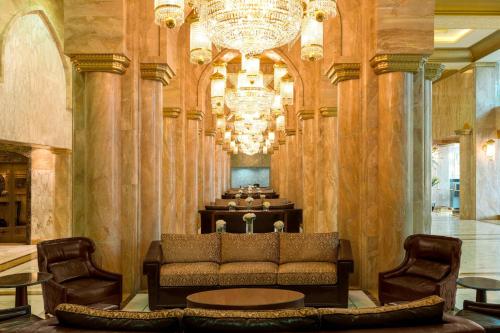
<point>466,130</point>
<point>389,63</point>
<point>210,132</point>
<point>101,62</point>
<point>328,111</point>
<point>194,115</point>
<point>171,112</point>
<point>290,131</point>
<point>61,151</point>
<point>276,147</point>
<point>433,71</point>
<point>157,72</point>
<point>305,114</point>
<point>343,72</point>
<point>282,141</point>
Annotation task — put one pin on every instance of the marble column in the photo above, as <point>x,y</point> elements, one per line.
<point>308,170</point>
<point>218,168</point>
<point>283,167</point>
<point>180,173</point>
<point>275,168</point>
<point>467,174</point>
<point>102,109</point>
<point>209,184</point>
<point>299,174</point>
<point>63,193</point>
<point>192,171</point>
<point>154,76</point>
<point>170,198</point>
<point>329,181</point>
<point>291,149</point>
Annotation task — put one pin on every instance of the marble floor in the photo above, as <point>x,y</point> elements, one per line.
<point>480,257</point>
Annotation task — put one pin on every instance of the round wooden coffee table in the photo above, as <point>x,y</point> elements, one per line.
<point>481,285</point>
<point>246,299</point>
<point>21,282</point>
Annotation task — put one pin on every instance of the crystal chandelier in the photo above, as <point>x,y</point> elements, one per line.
<point>200,46</point>
<point>311,40</point>
<point>169,13</point>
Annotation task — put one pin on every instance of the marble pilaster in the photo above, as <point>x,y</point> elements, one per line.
<point>283,167</point>
<point>308,169</point>
<point>218,170</point>
<point>193,138</point>
<point>291,148</point>
<point>467,174</point>
<point>169,180</point>
<point>329,161</point>
<point>63,193</point>
<point>210,162</point>
<point>275,169</point>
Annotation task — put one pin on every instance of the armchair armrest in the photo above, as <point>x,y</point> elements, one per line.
<point>485,308</point>
<point>53,295</point>
<point>400,269</point>
<point>344,255</point>
<point>153,259</point>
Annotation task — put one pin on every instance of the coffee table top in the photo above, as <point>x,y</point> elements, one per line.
<point>479,283</point>
<point>23,279</point>
<point>246,299</point>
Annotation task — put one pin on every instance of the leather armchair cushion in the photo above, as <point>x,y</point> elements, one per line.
<point>429,269</point>
<point>426,311</point>
<point>94,319</point>
<point>189,274</point>
<point>248,274</point>
<point>260,247</point>
<point>69,270</point>
<point>90,290</point>
<point>294,320</point>
<point>406,286</point>
<point>301,247</point>
<point>191,248</point>
<point>491,324</point>
<point>307,273</point>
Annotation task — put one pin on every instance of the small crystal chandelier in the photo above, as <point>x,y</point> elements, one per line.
<point>311,39</point>
<point>200,46</point>
<point>217,91</point>
<point>169,13</point>
<point>286,90</point>
<point>322,10</point>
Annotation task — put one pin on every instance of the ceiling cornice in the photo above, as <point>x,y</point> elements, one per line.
<point>468,7</point>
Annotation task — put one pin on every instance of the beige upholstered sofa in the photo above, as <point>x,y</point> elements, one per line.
<point>316,264</point>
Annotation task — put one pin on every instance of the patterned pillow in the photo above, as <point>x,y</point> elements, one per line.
<point>94,319</point>
<point>190,248</point>
<point>300,247</point>
<point>426,311</point>
<point>249,247</point>
<point>293,320</point>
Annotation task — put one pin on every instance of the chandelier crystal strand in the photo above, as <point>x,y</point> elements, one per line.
<point>169,13</point>
<point>311,39</point>
<point>322,10</point>
<point>200,46</point>
<point>251,26</point>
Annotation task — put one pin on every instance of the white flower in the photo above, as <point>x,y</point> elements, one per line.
<point>237,196</point>
<point>231,204</point>
<point>248,217</point>
<point>220,224</point>
<point>240,191</point>
<point>262,196</point>
<point>266,204</point>
<point>279,225</point>
<point>249,200</point>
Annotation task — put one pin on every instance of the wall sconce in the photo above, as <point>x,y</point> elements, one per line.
<point>489,148</point>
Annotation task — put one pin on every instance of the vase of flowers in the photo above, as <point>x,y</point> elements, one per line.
<point>231,205</point>
<point>249,202</point>
<point>220,226</point>
<point>266,205</point>
<point>249,219</point>
<point>279,226</point>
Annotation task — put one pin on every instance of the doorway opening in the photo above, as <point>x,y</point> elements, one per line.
<point>446,178</point>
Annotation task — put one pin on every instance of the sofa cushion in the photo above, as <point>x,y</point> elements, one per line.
<point>93,319</point>
<point>189,274</point>
<point>249,247</point>
<point>422,312</point>
<point>69,269</point>
<point>300,247</point>
<point>413,286</point>
<point>191,248</point>
<point>248,274</point>
<point>429,269</point>
<point>293,320</point>
<point>90,290</point>
<point>307,273</point>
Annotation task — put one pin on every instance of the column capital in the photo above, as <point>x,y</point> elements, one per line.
<point>210,132</point>
<point>433,71</point>
<point>328,111</point>
<point>169,112</point>
<point>61,151</point>
<point>219,141</point>
<point>466,130</point>
<point>276,147</point>
<point>305,114</point>
<point>157,72</point>
<point>389,63</point>
<point>194,115</point>
<point>100,62</point>
<point>282,141</point>
<point>290,131</point>
<point>339,72</point>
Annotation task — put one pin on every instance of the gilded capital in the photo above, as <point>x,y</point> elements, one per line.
<point>61,151</point>
<point>328,111</point>
<point>210,132</point>
<point>305,114</point>
<point>171,112</point>
<point>343,71</point>
<point>194,115</point>
<point>290,131</point>
<point>101,62</point>
<point>219,141</point>
<point>466,130</point>
<point>388,63</point>
<point>276,147</point>
<point>282,141</point>
<point>157,72</point>
<point>433,71</point>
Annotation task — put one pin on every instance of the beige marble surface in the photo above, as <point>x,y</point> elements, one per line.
<point>192,174</point>
<point>168,177</point>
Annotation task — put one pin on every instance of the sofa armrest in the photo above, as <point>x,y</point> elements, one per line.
<point>485,308</point>
<point>344,255</point>
<point>153,259</point>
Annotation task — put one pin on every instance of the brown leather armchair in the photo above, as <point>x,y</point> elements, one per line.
<point>430,267</point>
<point>76,279</point>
